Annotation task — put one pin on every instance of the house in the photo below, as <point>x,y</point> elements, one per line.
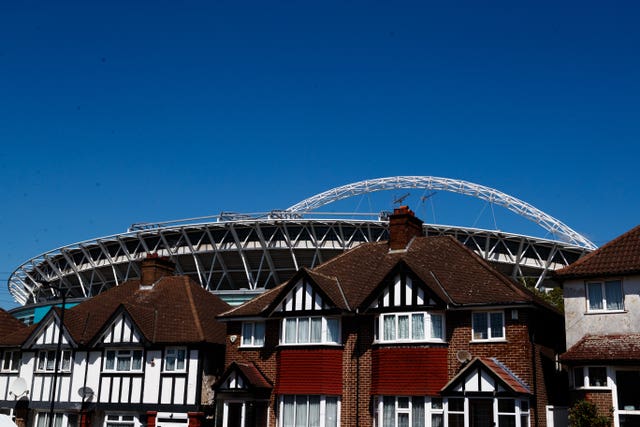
<point>602,317</point>
<point>144,353</point>
<point>417,331</point>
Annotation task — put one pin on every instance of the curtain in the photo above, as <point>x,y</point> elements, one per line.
<point>288,411</point>
<point>613,293</point>
<point>389,411</point>
<point>316,329</point>
<point>42,419</point>
<point>436,326</point>
<point>333,330</point>
<point>417,326</point>
<point>314,411</point>
<point>389,327</point>
<point>417,412</point>
<point>247,333</point>
<point>258,338</point>
<point>290,331</point>
<point>110,362</point>
<point>57,420</point>
<point>595,296</point>
<point>66,360</point>
<point>331,412</point>
<point>403,327</point>
<point>124,362</point>
<point>301,411</point>
<point>181,358</point>
<point>303,330</point>
<point>170,361</point>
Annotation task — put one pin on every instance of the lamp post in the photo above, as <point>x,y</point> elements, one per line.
<point>58,359</point>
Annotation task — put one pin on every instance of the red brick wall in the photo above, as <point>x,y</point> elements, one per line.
<point>603,399</point>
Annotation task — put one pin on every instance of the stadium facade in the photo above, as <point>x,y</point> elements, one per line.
<point>238,256</point>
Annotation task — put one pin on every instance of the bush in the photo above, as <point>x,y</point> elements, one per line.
<point>585,414</point>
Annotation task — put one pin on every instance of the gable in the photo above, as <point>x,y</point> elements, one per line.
<point>242,377</point>
<point>121,330</point>
<point>486,376</point>
<point>304,296</point>
<point>402,291</point>
<point>47,333</point>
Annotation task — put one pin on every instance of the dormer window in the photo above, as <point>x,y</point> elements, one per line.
<point>605,296</point>
<point>310,330</point>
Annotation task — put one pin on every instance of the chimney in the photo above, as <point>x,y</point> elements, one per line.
<point>153,268</point>
<point>403,226</point>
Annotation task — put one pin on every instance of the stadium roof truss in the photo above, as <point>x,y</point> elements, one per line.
<point>248,253</point>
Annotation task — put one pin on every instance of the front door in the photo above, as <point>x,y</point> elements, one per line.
<point>481,412</point>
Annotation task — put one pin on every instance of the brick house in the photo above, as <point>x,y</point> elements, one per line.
<point>417,331</point>
<point>144,353</point>
<point>602,316</point>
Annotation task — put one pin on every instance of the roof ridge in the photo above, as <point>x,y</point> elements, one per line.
<point>254,300</point>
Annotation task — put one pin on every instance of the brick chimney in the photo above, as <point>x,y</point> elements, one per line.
<point>403,226</point>
<point>153,268</point>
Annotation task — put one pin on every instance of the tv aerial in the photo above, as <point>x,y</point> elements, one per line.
<point>400,199</point>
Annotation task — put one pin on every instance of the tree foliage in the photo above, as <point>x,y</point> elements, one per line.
<point>585,414</point>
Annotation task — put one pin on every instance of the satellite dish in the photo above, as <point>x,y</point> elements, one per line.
<point>86,393</point>
<point>463,356</point>
<point>18,387</point>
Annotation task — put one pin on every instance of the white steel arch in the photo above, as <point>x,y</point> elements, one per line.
<point>491,195</point>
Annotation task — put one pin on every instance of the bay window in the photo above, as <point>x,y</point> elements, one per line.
<point>590,377</point>
<point>309,411</point>
<point>310,330</point>
<point>408,327</point>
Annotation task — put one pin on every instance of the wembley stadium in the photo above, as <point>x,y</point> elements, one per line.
<point>237,256</point>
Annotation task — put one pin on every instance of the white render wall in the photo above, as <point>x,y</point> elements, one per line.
<point>579,323</point>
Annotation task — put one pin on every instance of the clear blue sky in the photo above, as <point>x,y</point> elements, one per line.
<point>117,112</point>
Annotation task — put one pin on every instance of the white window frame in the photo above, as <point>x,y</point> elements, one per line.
<point>587,378</point>
<point>119,419</point>
<point>603,292</point>
<point>427,326</point>
<point>253,334</point>
<point>323,332</point>
<point>45,361</point>
<point>323,410</point>
<point>489,330</point>
<point>13,358</point>
<point>173,352</point>
<point>429,409</point>
<point>118,353</point>
<point>618,411</point>
<point>42,419</point>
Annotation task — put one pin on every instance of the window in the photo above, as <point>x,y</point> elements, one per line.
<point>59,420</point>
<point>175,359</point>
<point>455,409</point>
<point>123,360</point>
<point>11,361</point>
<point>596,376</point>
<point>252,334</point>
<point>310,330</point>
<point>309,411</point>
<point>628,397</point>
<point>407,327</point>
<point>403,411</point>
<point>605,296</point>
<point>47,361</point>
<point>112,420</point>
<point>488,326</point>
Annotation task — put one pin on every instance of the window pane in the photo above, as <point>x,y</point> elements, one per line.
<point>595,296</point>
<point>6,362</point>
<point>301,411</point>
<point>578,377</point>
<point>66,360</point>
<point>496,325</point>
<point>181,358</point>
<point>436,326</point>
<point>258,338</point>
<point>613,294</point>
<point>627,385</point>
<point>170,361</point>
<point>333,330</point>
<point>288,411</point>
<point>316,329</point>
<point>436,403</point>
<point>51,359</point>
<point>506,405</point>
<point>456,420</point>
<point>417,326</point>
<point>247,333</point>
<point>389,411</point>
<point>403,327</point>
<point>417,412</point>
<point>331,410</point>
<point>137,360</point>
<point>598,377</point>
<point>303,330</point>
<point>480,326</point>
<point>124,362</point>
<point>314,411</point>
<point>290,331</point>
<point>110,362</point>
<point>456,405</point>
<point>437,420</point>
<point>506,421</point>
<point>389,327</point>
<point>403,420</point>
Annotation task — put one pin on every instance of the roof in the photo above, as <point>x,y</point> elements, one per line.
<point>175,310</point>
<point>610,348</point>
<point>12,331</point>
<point>496,369</point>
<point>618,257</point>
<point>452,272</point>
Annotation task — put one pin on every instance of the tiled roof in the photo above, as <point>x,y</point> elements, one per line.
<point>619,256</point>
<point>497,369</point>
<point>173,310</point>
<point>9,324</point>
<point>253,375</point>
<point>453,272</point>
<point>610,348</point>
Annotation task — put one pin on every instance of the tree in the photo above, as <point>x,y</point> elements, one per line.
<point>585,414</point>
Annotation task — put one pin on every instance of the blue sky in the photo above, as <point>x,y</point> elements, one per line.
<point>119,112</point>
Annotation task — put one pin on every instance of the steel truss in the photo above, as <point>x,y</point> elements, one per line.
<point>253,255</point>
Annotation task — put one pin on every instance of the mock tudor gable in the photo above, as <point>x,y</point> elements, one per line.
<point>47,333</point>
